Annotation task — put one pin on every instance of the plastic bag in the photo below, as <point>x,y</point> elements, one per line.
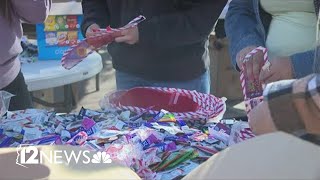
<point>5,98</point>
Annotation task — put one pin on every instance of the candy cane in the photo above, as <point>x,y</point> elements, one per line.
<point>266,66</point>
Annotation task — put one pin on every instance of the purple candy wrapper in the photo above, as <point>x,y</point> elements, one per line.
<point>164,147</point>
<point>87,123</point>
<point>152,139</point>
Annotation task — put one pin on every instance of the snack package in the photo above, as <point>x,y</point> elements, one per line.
<point>72,38</point>
<point>51,38</point>
<point>4,102</point>
<point>61,23</point>
<point>72,22</point>
<point>62,38</point>
<point>50,23</point>
<point>78,52</point>
<point>252,88</point>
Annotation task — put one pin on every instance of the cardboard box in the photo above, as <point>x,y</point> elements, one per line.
<point>225,80</point>
<point>60,30</point>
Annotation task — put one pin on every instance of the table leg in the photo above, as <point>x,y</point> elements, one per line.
<point>67,104</point>
<point>98,82</point>
<point>68,98</point>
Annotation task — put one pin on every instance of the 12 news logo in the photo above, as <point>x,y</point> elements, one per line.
<point>27,155</point>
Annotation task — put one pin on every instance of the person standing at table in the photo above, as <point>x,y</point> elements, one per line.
<point>286,28</point>
<point>12,13</point>
<point>169,49</point>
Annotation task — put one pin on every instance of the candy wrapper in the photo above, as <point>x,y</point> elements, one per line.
<point>78,52</point>
<point>155,146</point>
<point>252,88</point>
<point>240,132</point>
<point>181,171</point>
<point>78,139</point>
<point>4,102</point>
<point>220,132</point>
<point>176,159</point>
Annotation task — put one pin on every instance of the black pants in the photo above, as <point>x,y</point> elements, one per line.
<point>22,98</point>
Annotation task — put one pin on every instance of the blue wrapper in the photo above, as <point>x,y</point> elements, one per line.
<point>159,115</point>
<point>5,141</point>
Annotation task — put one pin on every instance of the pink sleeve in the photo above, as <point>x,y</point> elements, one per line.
<point>31,11</point>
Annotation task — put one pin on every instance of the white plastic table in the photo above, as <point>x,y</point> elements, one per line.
<point>49,74</point>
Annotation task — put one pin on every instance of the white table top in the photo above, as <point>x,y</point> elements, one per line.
<point>49,74</point>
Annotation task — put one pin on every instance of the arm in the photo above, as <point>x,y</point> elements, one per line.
<point>94,12</point>
<point>292,106</point>
<point>241,27</point>
<point>183,27</point>
<point>32,11</point>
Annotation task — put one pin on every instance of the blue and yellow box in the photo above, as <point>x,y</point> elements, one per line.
<point>60,30</point>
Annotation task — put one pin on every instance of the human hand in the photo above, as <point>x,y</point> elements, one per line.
<point>280,69</point>
<point>260,119</point>
<point>129,36</point>
<point>92,29</point>
<point>253,64</point>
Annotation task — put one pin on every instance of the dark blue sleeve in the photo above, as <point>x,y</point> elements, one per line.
<point>242,27</point>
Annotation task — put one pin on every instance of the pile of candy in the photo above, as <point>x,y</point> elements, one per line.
<point>154,146</point>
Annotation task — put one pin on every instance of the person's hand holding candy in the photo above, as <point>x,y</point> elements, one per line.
<point>129,36</point>
<point>92,30</point>
<point>281,69</point>
<point>253,64</point>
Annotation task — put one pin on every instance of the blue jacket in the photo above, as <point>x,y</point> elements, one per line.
<point>244,27</point>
